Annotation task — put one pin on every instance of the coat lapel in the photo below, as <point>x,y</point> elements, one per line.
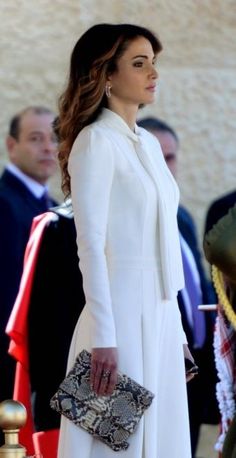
<point>149,153</point>
<point>168,193</point>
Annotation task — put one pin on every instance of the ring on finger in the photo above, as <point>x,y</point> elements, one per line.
<point>106,374</point>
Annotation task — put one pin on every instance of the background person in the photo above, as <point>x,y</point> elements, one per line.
<point>220,250</point>
<point>49,301</point>
<point>125,203</point>
<point>219,208</point>
<point>32,148</point>
<point>201,391</point>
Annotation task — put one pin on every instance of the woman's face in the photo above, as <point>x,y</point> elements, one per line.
<point>134,81</point>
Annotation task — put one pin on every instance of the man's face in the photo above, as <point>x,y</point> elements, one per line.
<point>169,147</point>
<point>35,150</point>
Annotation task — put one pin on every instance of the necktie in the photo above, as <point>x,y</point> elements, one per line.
<point>195,296</point>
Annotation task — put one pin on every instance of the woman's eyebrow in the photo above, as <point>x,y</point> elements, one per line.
<point>143,56</point>
<point>140,55</point>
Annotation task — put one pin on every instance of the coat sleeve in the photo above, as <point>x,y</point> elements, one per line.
<point>91,167</point>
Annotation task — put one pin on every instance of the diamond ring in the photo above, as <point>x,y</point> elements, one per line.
<point>106,374</point>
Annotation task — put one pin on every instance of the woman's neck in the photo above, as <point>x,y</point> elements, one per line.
<point>127,112</point>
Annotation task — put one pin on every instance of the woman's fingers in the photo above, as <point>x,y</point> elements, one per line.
<point>93,374</point>
<point>104,381</point>
<point>97,379</point>
<point>189,377</point>
<point>103,376</point>
<point>112,382</point>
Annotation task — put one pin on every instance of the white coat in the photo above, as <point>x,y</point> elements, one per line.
<point>125,203</point>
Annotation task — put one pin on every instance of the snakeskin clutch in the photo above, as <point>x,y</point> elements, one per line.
<point>110,419</point>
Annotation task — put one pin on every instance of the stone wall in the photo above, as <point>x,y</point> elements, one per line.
<point>197,85</point>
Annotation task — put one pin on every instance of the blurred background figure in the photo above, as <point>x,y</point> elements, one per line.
<point>48,303</point>
<point>32,150</point>
<point>219,246</point>
<point>219,208</point>
<point>198,325</point>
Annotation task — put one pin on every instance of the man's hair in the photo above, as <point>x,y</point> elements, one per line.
<point>14,125</point>
<point>153,124</point>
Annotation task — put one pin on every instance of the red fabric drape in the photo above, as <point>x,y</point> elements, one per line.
<point>18,333</point>
<point>46,443</point>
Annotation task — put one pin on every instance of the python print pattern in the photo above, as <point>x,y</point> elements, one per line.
<point>110,419</point>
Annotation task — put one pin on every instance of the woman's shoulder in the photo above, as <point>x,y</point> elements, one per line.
<point>91,145</point>
<point>93,134</point>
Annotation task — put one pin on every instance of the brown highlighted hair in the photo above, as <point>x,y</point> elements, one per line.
<point>93,58</point>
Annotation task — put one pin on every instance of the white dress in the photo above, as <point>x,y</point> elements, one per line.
<point>126,306</point>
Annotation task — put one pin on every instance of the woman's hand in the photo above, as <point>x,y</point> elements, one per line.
<point>103,376</point>
<point>188,355</point>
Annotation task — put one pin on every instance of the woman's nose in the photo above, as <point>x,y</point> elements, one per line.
<point>155,74</point>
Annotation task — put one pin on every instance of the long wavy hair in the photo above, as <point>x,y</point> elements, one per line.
<point>93,58</point>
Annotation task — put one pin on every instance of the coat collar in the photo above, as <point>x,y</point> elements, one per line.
<point>114,120</point>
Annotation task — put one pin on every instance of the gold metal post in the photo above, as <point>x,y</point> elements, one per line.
<point>12,417</point>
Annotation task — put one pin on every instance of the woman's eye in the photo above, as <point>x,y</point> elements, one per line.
<point>138,64</point>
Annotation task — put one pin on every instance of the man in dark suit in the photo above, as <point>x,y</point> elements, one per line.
<point>219,208</point>
<point>51,299</point>
<point>201,390</point>
<point>32,148</point>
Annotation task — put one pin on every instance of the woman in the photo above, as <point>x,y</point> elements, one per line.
<point>125,201</point>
